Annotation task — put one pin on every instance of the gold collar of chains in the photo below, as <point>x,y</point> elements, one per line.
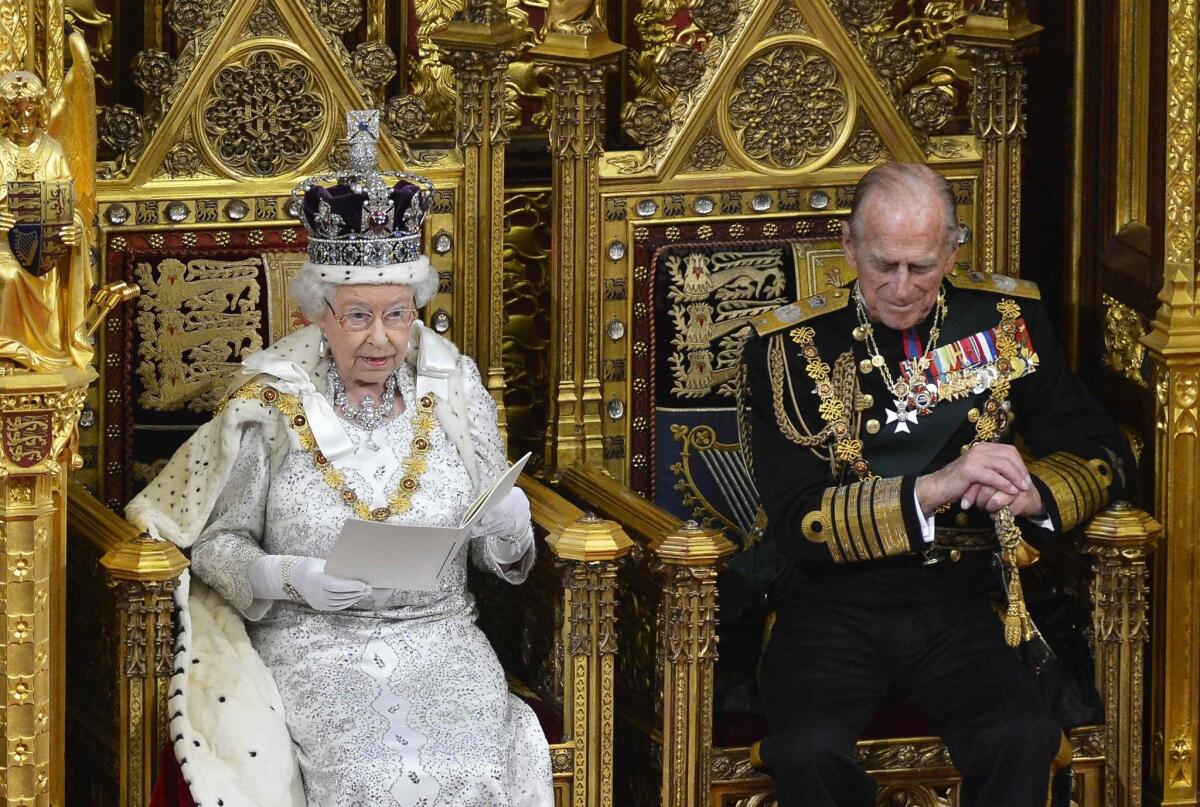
<point>910,395</point>
<point>414,465</point>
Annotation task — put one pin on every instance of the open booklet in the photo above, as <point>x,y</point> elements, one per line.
<point>410,557</point>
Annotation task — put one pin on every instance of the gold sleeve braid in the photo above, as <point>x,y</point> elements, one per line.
<point>1079,487</point>
<point>860,521</point>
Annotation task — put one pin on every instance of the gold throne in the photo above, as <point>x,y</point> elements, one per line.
<point>731,205</point>
<point>194,209</point>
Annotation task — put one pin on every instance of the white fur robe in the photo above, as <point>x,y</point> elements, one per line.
<point>212,746</point>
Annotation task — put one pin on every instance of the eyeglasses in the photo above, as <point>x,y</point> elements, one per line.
<point>356,321</point>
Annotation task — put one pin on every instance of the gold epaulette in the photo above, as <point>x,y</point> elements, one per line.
<point>801,311</point>
<point>996,284</point>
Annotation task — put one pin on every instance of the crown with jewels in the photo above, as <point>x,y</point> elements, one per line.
<point>365,225</point>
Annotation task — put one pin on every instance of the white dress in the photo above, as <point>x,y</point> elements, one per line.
<point>399,700</point>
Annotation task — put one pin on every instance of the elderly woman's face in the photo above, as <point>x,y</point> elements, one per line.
<point>368,355</point>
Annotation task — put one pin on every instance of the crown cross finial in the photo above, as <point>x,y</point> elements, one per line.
<point>362,132</point>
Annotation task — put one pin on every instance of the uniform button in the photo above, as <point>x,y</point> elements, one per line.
<point>872,426</point>
<point>868,400</point>
<point>864,366</point>
<point>955,555</point>
<point>960,520</point>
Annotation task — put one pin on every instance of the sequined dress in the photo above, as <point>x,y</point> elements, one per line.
<point>399,700</point>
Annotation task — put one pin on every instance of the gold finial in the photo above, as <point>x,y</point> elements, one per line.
<point>692,545</point>
<point>590,538</point>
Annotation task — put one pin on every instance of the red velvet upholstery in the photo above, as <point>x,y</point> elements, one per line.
<point>549,719</point>
<point>170,789</point>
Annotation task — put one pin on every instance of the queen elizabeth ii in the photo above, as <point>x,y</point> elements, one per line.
<point>336,694</point>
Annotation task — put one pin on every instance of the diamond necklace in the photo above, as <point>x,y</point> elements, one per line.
<point>901,389</point>
<point>367,417</point>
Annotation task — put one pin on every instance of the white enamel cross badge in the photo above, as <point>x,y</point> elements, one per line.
<point>902,416</point>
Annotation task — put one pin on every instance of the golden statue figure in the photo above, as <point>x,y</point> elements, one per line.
<point>575,16</point>
<point>45,270</point>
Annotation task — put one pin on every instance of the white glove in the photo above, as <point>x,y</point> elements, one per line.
<point>509,518</point>
<point>307,576</point>
<point>507,527</point>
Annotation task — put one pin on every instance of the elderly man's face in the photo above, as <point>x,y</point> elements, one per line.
<point>900,258</point>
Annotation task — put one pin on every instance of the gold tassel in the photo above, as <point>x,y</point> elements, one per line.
<point>1018,626</point>
<point>1017,617</point>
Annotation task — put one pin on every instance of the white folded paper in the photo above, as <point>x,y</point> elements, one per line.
<point>410,557</point>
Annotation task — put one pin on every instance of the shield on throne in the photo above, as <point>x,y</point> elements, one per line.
<point>42,211</point>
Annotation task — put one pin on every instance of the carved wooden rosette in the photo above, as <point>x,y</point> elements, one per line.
<point>145,574</point>
<point>1119,541</point>
<point>38,415</point>
<point>590,550</point>
<point>480,43</point>
<point>688,561</point>
<point>575,65</point>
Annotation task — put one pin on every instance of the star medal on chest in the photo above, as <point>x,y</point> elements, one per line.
<point>913,394</point>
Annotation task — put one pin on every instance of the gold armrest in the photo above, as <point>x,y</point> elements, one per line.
<point>673,540</point>
<point>128,554</point>
<point>573,534</point>
<point>644,520</point>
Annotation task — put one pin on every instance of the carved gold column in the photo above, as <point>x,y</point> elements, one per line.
<point>1174,344</point>
<point>688,559</point>
<point>575,55</point>
<point>145,574</point>
<point>479,43</point>
<point>1119,541</point>
<point>592,549</point>
<point>376,20</point>
<point>38,414</point>
<point>997,41</point>
<point>1133,112</point>
<point>17,33</point>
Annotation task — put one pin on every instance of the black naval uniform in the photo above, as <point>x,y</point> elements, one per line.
<point>873,612</point>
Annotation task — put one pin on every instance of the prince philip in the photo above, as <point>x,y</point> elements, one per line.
<point>882,418</point>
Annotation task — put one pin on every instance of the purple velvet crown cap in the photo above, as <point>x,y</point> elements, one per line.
<point>348,203</point>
